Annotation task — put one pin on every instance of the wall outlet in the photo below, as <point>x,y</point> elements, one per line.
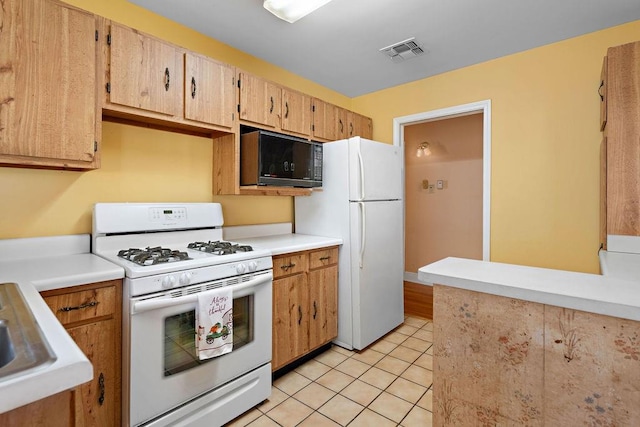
<point>431,188</point>
<point>425,184</point>
<point>441,184</point>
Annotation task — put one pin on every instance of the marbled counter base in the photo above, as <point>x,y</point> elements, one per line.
<point>505,361</point>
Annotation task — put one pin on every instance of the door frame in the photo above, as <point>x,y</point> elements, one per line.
<point>483,107</point>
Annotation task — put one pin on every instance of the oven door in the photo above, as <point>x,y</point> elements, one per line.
<point>164,369</point>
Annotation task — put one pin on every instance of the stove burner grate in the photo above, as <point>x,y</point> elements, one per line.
<point>152,256</point>
<point>219,247</point>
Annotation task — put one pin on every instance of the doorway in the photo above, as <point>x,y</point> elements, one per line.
<point>447,170</point>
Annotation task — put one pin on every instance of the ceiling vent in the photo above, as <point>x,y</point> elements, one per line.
<point>406,49</point>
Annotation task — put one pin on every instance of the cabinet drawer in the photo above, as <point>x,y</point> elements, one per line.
<point>286,265</point>
<point>83,305</point>
<point>322,258</point>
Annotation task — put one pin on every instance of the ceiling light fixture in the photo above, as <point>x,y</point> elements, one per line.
<point>292,10</point>
<point>423,149</point>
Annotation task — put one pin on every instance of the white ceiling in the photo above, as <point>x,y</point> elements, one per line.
<point>338,45</point>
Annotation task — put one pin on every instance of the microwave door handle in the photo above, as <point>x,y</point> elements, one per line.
<point>154,304</point>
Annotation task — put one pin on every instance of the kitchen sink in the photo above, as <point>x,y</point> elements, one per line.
<point>23,348</point>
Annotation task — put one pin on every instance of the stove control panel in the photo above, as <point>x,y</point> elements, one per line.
<point>168,282</point>
<point>168,215</point>
<point>177,279</point>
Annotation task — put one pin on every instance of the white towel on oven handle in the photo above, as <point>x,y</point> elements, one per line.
<point>214,323</point>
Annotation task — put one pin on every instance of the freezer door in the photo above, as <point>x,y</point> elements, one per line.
<point>375,170</point>
<point>377,263</point>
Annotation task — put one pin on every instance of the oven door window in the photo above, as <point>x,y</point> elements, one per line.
<point>179,336</point>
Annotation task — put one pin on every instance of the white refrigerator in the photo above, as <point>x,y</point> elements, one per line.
<point>361,202</point>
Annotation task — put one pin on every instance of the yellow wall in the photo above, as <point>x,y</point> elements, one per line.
<point>544,163</point>
<point>545,143</point>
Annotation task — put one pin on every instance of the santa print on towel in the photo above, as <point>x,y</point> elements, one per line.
<point>214,323</point>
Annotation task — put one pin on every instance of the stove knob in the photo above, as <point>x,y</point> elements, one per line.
<point>168,282</point>
<point>185,278</point>
<point>253,266</point>
<point>241,268</point>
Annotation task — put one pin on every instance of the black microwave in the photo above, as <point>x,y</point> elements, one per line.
<point>269,158</point>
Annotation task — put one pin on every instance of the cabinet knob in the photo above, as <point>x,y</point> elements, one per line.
<point>193,87</point>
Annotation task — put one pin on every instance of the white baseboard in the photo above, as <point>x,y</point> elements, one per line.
<point>413,278</point>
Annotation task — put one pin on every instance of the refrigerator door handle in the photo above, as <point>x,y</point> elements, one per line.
<point>363,230</point>
<point>361,162</point>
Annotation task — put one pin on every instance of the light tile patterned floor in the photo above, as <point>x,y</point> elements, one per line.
<point>387,384</point>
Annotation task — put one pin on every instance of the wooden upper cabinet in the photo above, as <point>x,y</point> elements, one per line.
<point>343,124</point>
<point>325,120</point>
<point>602,91</point>
<point>209,91</point>
<point>49,112</point>
<point>260,100</point>
<point>359,125</point>
<point>623,140</point>
<point>296,112</point>
<point>145,72</point>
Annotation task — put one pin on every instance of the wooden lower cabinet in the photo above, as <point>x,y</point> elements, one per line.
<point>92,314</point>
<point>53,411</point>
<point>323,305</point>
<point>290,319</point>
<point>305,303</point>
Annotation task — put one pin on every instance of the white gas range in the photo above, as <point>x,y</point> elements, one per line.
<point>170,253</point>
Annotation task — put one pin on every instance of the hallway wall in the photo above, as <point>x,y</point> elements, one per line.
<point>447,222</point>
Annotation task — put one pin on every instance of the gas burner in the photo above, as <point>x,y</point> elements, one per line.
<point>152,256</point>
<point>219,247</point>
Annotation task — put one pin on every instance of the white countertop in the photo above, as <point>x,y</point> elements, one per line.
<point>277,238</point>
<point>620,265</point>
<point>64,261</point>
<point>287,243</point>
<point>593,293</point>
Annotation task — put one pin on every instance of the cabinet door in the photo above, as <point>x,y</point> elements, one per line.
<point>602,91</point>
<point>259,100</point>
<point>96,400</point>
<point>52,411</point>
<point>359,125</point>
<point>92,315</point>
<point>325,120</point>
<point>623,140</point>
<point>323,305</point>
<point>296,112</point>
<point>290,319</point>
<point>342,129</point>
<point>146,73</point>
<point>209,91</point>
<point>47,84</point>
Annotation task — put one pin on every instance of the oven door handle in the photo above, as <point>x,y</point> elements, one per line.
<point>156,303</point>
